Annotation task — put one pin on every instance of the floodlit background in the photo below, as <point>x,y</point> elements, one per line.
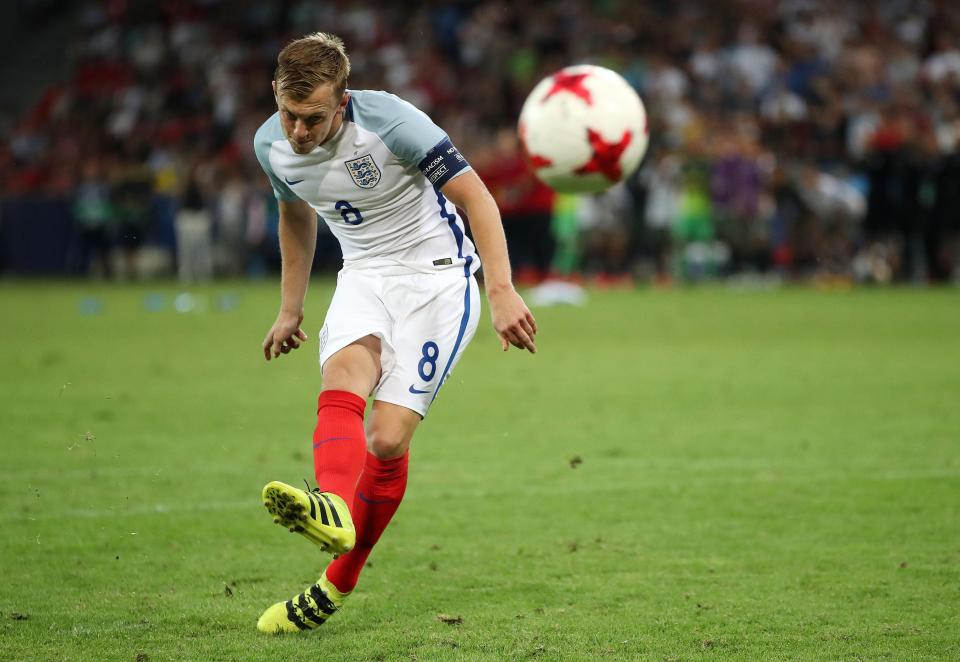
<point>791,139</point>
<point>742,442</point>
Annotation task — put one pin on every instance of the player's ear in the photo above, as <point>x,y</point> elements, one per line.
<point>273,84</point>
<point>344,100</point>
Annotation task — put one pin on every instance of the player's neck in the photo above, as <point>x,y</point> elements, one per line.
<point>334,130</point>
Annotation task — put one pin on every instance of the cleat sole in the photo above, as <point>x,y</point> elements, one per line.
<point>294,516</point>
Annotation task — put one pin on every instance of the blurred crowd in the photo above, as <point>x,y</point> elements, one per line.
<point>789,138</point>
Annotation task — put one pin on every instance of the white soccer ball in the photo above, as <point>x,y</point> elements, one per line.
<point>583,129</point>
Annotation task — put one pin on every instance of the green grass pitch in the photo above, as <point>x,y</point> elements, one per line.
<point>683,475</point>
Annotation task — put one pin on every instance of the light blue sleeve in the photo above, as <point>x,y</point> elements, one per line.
<point>404,129</point>
<point>268,133</point>
<point>409,134</point>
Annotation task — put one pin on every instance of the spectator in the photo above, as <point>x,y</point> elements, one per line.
<point>194,241</point>
<point>131,191</point>
<point>526,206</point>
<point>605,226</point>
<point>230,249</point>
<point>94,215</point>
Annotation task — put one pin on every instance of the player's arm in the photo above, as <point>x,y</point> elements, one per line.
<point>298,240</point>
<point>512,319</point>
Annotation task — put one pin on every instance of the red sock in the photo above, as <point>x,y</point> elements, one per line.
<point>338,443</point>
<point>379,494</point>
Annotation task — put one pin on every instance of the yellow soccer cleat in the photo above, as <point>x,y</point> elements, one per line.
<point>305,611</point>
<point>321,517</point>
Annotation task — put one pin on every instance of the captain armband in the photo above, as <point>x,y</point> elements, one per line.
<point>442,163</point>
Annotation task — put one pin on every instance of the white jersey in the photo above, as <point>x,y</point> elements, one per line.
<point>376,184</point>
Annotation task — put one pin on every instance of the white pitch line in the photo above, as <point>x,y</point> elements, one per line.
<point>61,474</point>
<point>252,504</point>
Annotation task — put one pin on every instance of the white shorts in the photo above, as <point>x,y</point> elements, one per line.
<point>424,321</point>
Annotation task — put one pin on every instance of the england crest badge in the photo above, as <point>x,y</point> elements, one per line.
<point>364,171</point>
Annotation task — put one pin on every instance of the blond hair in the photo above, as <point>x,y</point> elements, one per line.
<point>310,61</point>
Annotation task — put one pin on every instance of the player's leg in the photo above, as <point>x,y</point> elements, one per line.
<point>380,489</point>
<point>339,450</point>
<point>427,347</point>
<point>339,446</point>
<point>352,357</point>
<point>378,494</point>
<point>323,515</point>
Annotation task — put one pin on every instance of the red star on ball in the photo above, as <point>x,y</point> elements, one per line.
<point>572,83</point>
<point>537,161</point>
<point>606,156</point>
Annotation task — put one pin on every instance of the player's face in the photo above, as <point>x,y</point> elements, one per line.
<point>313,120</point>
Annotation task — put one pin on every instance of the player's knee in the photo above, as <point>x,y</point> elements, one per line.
<point>385,445</point>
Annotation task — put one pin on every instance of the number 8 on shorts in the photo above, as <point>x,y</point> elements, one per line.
<point>428,364</point>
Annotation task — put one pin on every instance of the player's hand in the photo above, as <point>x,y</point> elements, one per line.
<point>285,335</point>
<point>512,320</point>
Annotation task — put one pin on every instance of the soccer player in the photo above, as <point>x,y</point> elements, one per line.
<point>388,183</point>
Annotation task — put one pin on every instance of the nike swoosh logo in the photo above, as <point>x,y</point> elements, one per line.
<point>366,499</point>
<point>417,391</point>
<point>316,444</point>
<point>293,182</point>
